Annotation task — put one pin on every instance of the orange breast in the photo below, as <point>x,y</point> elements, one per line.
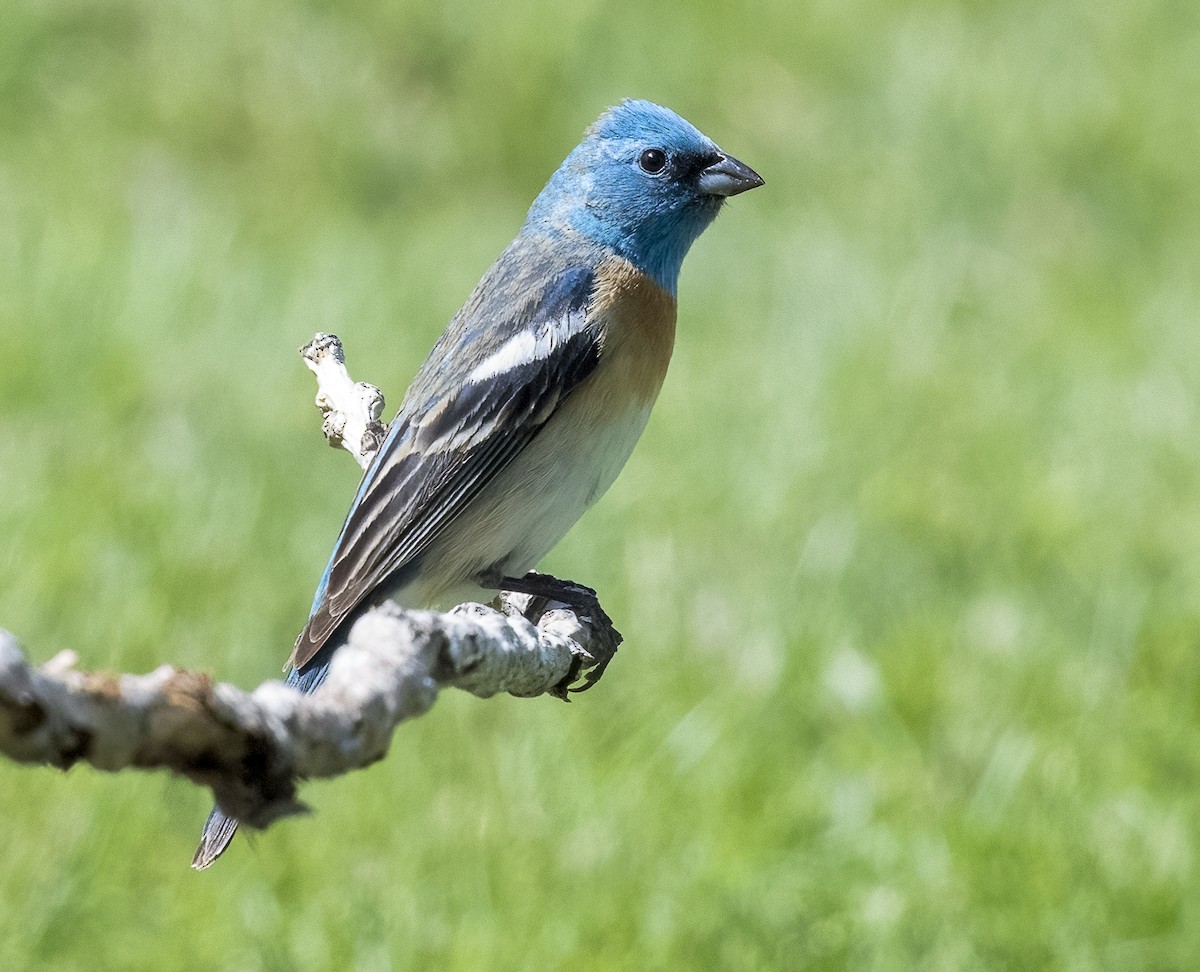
<point>639,331</point>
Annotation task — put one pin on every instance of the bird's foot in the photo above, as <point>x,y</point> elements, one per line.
<point>548,592</point>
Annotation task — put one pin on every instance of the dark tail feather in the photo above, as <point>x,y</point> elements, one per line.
<point>219,829</point>
<point>218,832</point>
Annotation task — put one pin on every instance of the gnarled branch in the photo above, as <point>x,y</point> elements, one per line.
<point>350,408</point>
<point>252,748</point>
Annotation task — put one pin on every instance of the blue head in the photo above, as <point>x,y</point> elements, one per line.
<point>643,182</point>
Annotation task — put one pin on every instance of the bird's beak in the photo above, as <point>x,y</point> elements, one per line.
<point>727,177</point>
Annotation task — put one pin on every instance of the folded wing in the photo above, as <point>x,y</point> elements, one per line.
<point>462,423</point>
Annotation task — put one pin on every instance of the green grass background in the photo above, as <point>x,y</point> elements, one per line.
<point>908,562</point>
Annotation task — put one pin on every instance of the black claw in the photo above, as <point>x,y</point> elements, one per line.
<point>596,672</point>
<point>560,690</point>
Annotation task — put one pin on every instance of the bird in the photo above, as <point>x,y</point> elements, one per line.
<point>533,398</point>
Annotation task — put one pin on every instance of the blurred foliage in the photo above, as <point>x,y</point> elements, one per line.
<point>908,562</point>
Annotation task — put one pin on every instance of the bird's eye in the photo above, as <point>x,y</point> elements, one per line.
<point>653,161</point>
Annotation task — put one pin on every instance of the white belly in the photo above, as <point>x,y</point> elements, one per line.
<point>530,506</point>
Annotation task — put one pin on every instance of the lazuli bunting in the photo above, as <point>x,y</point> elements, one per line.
<point>533,398</point>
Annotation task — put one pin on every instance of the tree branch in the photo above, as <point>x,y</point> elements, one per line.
<point>252,749</point>
<point>350,409</point>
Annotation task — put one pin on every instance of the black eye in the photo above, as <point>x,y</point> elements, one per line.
<point>653,161</point>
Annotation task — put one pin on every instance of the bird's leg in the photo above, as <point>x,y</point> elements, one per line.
<point>546,591</point>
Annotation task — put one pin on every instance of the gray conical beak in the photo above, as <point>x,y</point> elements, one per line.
<point>728,177</point>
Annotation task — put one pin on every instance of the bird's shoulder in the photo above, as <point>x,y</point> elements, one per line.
<point>537,283</point>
